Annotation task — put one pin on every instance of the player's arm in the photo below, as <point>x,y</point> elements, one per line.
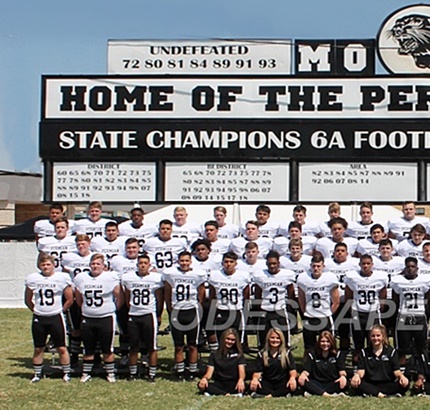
<point>127,296</point>
<point>168,296</point>
<point>68,297</point>
<point>290,292</point>
<point>302,302</point>
<point>349,295</point>
<point>212,292</point>
<point>79,298</point>
<point>246,293</point>
<point>258,297</point>
<point>383,298</point>
<point>396,299</point>
<point>426,300</point>
<point>28,298</point>
<point>159,297</point>
<point>201,291</point>
<point>335,299</point>
<point>118,295</point>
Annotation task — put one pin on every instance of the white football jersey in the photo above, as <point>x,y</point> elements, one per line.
<point>141,234</point>
<point>164,254</point>
<point>356,229</point>
<point>237,246</point>
<point>228,231</point>
<point>273,288</point>
<point>317,293</point>
<point>48,292</point>
<point>366,290</point>
<point>44,227</point>
<point>189,232</point>
<point>229,289</point>
<point>341,270</point>
<point>122,265</point>
<point>74,264</point>
<point>326,246</point>
<point>368,247</point>
<point>400,227</point>
<point>184,286</point>
<point>92,229</point>
<point>99,244</point>
<point>281,243</point>
<point>57,248</point>
<point>407,248</point>
<point>142,291</point>
<point>424,267</point>
<point>97,293</point>
<point>411,293</point>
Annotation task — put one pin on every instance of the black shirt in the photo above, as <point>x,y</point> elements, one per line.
<point>324,369</point>
<point>379,369</point>
<point>226,367</point>
<point>274,371</point>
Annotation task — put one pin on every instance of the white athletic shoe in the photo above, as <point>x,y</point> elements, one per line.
<point>36,378</point>
<point>85,377</point>
<point>66,378</point>
<point>307,394</point>
<point>111,378</point>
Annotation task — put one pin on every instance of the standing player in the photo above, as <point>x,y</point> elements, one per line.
<point>46,227</point>
<point>367,289</point>
<point>76,263</point>
<point>333,212</point>
<point>121,265</point>
<point>273,286</point>
<point>189,231</point>
<point>109,245</point>
<point>400,227</point>
<point>218,246</point>
<point>267,228</point>
<point>184,293</point>
<point>309,228</point>
<point>225,230</point>
<point>48,289</point>
<point>252,233</point>
<point>414,245</point>
<point>144,297</point>
<point>136,228</point>
<point>94,224</point>
<point>230,288</point>
<point>318,300</point>
<point>280,244</point>
<point>411,294</point>
<point>99,294</point>
<point>338,227</point>
<point>370,246</point>
<point>362,229</point>
<point>342,265</point>
<point>164,249</point>
<point>59,244</point>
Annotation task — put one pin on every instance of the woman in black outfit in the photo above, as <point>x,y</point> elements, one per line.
<point>226,367</point>
<point>276,373</point>
<point>379,373</point>
<point>324,372</point>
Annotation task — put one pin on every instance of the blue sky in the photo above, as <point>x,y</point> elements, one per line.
<point>55,37</point>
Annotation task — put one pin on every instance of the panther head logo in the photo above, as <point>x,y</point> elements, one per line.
<point>412,33</point>
<point>403,41</point>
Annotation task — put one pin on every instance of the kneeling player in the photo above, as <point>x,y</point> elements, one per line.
<point>48,288</point>
<point>99,294</point>
<point>144,296</point>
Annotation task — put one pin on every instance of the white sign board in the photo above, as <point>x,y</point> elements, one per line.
<point>258,182</point>
<point>199,57</point>
<point>141,98</point>
<point>357,181</point>
<point>108,181</point>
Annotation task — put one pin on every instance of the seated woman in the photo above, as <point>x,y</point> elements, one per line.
<point>324,372</point>
<point>276,373</point>
<point>379,373</point>
<point>226,367</point>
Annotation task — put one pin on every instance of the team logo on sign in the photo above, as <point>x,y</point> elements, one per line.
<point>404,41</point>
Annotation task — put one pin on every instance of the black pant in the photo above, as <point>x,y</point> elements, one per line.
<point>222,387</point>
<point>276,388</point>
<point>317,388</point>
<point>387,388</point>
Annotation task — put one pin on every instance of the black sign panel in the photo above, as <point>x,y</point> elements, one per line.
<point>181,139</point>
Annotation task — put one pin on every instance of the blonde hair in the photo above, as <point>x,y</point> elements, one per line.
<point>282,350</point>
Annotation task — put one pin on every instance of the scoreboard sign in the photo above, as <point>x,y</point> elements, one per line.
<point>200,57</point>
<point>245,120</point>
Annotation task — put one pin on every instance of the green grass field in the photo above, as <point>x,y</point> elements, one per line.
<point>17,393</point>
